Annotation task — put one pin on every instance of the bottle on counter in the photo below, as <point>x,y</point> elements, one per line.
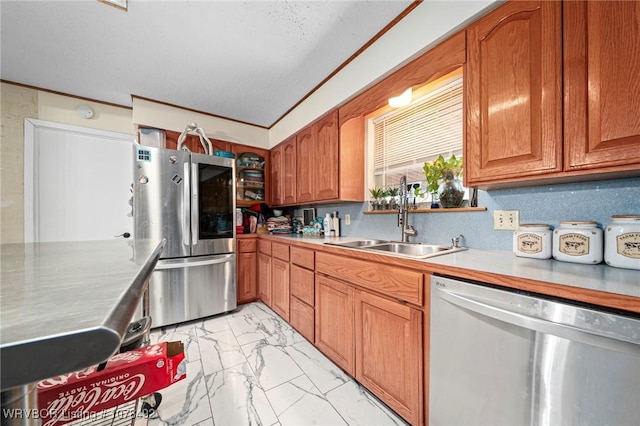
<point>328,222</point>
<point>622,242</point>
<point>336,225</point>
<point>532,240</point>
<point>578,242</point>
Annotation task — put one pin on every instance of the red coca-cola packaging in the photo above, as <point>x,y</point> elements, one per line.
<point>127,376</point>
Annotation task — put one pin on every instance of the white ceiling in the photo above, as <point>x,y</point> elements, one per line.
<point>249,61</point>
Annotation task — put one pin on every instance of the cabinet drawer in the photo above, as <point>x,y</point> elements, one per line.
<point>280,251</point>
<point>302,284</point>
<point>303,257</point>
<point>264,246</point>
<point>302,317</point>
<point>389,280</point>
<point>247,245</point>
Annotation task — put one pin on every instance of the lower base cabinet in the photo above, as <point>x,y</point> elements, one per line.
<point>335,322</point>
<point>280,287</point>
<point>264,277</point>
<point>388,347</point>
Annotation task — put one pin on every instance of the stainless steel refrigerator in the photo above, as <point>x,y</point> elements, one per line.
<point>188,199</point>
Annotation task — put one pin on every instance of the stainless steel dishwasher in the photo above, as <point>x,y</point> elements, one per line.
<point>505,357</point>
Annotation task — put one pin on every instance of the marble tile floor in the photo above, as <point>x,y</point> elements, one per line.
<point>250,367</point>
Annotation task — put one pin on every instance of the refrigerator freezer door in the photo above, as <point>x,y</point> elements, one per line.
<point>161,198</point>
<point>213,205</point>
<point>191,288</point>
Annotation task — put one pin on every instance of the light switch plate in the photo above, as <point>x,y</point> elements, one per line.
<point>506,220</point>
<point>347,219</point>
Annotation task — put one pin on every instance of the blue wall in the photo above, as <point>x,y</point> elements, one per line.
<point>550,204</point>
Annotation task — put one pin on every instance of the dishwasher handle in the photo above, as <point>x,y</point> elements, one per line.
<point>566,331</point>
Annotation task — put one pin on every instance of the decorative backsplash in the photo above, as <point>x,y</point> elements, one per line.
<point>550,204</point>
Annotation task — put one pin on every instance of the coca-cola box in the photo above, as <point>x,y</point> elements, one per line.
<point>127,376</point>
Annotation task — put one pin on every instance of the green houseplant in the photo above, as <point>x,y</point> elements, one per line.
<point>443,181</point>
<point>377,194</point>
<point>392,197</point>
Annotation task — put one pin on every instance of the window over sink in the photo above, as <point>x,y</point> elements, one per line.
<point>401,140</point>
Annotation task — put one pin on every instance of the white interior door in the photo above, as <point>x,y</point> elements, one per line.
<point>77,182</point>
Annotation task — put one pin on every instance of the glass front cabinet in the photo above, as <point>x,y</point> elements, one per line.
<point>251,184</point>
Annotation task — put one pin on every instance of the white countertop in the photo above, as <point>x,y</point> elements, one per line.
<point>599,277</point>
<point>66,305</point>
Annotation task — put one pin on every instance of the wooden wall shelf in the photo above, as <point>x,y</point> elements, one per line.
<point>440,210</point>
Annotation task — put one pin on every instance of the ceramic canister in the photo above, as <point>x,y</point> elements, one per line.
<point>622,242</point>
<point>532,240</point>
<point>579,242</point>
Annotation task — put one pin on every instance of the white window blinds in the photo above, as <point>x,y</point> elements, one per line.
<point>405,138</point>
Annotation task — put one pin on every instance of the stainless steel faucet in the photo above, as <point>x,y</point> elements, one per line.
<point>403,212</point>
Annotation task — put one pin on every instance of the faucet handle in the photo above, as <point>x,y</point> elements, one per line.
<point>455,241</point>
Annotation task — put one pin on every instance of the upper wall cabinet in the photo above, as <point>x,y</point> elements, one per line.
<point>602,85</point>
<point>252,178</point>
<point>523,60</point>
<point>322,163</point>
<point>514,98</point>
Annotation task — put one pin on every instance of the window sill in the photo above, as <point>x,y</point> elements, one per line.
<point>439,210</point>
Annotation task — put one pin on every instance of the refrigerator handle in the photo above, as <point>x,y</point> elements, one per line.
<point>162,265</point>
<point>195,208</point>
<point>186,202</point>
<point>565,331</point>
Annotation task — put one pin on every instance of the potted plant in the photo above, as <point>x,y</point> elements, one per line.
<point>443,181</point>
<point>376,198</point>
<point>392,197</point>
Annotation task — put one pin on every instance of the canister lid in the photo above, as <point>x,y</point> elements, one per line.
<point>626,216</point>
<point>529,226</point>
<point>579,223</point>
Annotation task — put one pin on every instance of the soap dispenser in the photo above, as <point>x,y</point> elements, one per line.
<point>327,225</point>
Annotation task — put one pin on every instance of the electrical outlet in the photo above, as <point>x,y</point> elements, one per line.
<point>347,219</point>
<point>506,220</point>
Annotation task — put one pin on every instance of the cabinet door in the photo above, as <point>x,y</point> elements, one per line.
<point>277,164</point>
<point>513,93</point>
<point>254,184</point>
<point>602,84</point>
<point>264,277</point>
<point>325,161</point>
<point>305,145</point>
<point>389,353</point>
<point>289,179</point>
<point>334,321</point>
<point>247,277</point>
<point>280,287</point>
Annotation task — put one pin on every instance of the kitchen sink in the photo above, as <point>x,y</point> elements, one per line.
<point>414,249</point>
<point>358,243</point>
<point>410,250</point>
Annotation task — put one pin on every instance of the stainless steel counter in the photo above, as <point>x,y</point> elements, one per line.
<point>66,305</point>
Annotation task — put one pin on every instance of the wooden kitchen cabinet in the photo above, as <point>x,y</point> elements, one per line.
<point>302,286</point>
<point>326,159</point>
<point>306,157</point>
<point>335,321</point>
<point>264,271</point>
<point>290,177</point>
<point>277,174</point>
<point>513,93</point>
<point>280,279</point>
<point>602,85</point>
<point>252,179</point>
<point>388,349</point>
<point>192,142</point>
<point>247,269</point>
<point>326,163</point>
